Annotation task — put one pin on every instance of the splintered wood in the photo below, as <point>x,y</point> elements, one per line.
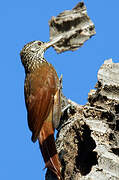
<point>71,28</point>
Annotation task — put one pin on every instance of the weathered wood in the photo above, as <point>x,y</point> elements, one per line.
<point>71,28</point>
<point>88,136</point>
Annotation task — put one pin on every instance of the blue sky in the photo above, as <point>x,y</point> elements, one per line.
<point>26,20</point>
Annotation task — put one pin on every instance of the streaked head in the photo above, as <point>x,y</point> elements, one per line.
<point>33,53</point>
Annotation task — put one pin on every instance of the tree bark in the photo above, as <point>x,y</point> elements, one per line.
<point>71,28</point>
<point>88,136</point>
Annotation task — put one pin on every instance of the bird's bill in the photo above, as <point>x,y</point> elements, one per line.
<point>53,41</point>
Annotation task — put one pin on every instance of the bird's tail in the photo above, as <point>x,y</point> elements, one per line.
<point>48,148</point>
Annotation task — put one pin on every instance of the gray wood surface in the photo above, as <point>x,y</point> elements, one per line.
<point>74,27</point>
<point>88,136</point>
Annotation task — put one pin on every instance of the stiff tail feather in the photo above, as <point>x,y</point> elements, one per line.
<point>48,148</point>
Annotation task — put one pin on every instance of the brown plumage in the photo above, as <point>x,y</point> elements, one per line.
<point>42,97</point>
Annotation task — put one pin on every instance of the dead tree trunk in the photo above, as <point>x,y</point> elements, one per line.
<point>88,136</point>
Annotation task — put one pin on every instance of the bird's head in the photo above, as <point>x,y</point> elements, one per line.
<point>32,54</point>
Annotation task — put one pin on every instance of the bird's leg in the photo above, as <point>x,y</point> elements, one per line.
<point>65,103</point>
<point>60,79</point>
<point>66,108</point>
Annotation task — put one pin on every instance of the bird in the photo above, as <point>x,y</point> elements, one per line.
<point>42,90</point>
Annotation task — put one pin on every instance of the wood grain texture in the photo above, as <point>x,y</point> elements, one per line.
<point>88,136</point>
<point>72,27</point>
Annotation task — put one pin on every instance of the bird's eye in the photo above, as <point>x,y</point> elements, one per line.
<point>39,43</point>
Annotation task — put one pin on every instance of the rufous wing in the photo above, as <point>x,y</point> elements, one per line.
<point>40,88</point>
<point>38,109</point>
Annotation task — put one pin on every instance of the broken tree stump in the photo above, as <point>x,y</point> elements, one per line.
<point>88,135</point>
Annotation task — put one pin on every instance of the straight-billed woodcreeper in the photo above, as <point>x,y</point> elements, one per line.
<point>43,101</point>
